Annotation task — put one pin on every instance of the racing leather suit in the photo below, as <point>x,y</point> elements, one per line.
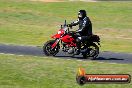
<point>84,31</point>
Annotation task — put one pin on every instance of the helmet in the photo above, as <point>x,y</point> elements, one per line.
<point>82,14</point>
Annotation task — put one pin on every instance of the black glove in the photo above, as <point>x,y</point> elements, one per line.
<point>78,31</point>
<point>69,25</point>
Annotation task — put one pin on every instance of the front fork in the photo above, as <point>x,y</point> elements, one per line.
<point>55,43</point>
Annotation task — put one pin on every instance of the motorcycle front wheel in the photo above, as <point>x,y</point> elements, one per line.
<point>47,49</point>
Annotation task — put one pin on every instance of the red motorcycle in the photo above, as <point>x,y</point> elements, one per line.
<point>65,40</point>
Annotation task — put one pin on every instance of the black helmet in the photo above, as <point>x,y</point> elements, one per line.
<point>82,14</point>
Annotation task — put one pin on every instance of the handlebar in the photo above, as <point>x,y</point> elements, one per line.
<point>66,25</point>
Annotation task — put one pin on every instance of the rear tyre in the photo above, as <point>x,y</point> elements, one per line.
<point>85,56</point>
<point>47,49</point>
<point>92,52</point>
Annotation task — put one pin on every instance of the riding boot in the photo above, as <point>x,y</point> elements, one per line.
<point>77,52</point>
<point>78,43</point>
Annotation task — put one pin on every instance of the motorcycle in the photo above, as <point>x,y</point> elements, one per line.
<point>65,40</point>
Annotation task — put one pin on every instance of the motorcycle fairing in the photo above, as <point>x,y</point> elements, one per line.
<point>59,34</point>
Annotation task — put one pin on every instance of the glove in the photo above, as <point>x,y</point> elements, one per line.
<point>78,31</point>
<point>69,25</point>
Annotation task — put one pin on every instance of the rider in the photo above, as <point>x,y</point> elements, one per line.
<point>84,31</point>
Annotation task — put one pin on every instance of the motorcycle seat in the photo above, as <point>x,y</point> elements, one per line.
<point>94,38</point>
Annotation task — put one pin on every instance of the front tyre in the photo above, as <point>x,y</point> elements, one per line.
<point>47,49</point>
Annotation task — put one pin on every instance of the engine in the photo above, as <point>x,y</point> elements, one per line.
<point>68,49</point>
<point>71,50</point>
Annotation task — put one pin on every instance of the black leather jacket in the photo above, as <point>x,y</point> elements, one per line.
<point>85,26</point>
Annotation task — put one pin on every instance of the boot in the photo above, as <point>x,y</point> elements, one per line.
<point>77,52</point>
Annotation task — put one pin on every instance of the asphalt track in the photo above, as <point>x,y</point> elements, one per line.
<point>37,51</point>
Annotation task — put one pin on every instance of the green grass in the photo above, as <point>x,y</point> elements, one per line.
<point>32,23</point>
<point>45,72</point>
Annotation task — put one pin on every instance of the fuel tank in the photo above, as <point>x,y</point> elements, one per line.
<point>67,39</point>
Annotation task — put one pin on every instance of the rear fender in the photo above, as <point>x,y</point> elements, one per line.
<point>98,44</point>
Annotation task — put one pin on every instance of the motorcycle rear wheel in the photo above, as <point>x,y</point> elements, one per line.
<point>93,53</point>
<point>47,49</point>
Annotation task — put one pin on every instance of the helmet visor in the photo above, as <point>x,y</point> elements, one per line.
<point>79,15</point>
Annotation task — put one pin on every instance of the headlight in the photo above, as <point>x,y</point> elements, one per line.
<point>59,32</point>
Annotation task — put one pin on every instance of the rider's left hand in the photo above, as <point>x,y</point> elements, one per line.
<point>69,25</point>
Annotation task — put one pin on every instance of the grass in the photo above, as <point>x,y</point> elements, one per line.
<point>45,72</point>
<point>32,23</point>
